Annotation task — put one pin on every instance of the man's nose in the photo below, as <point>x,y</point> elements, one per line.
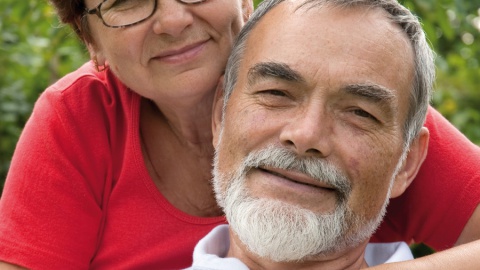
<point>308,133</point>
<point>172,17</point>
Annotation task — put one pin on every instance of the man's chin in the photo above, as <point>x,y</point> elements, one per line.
<point>282,232</point>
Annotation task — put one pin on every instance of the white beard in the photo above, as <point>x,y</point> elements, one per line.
<point>283,232</point>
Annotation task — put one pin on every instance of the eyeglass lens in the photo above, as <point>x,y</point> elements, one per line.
<point>119,13</point>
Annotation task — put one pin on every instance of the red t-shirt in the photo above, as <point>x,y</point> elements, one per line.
<point>437,205</point>
<point>79,196</point>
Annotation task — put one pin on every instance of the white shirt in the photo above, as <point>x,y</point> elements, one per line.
<point>210,251</point>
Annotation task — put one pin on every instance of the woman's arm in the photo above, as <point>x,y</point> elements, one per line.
<point>471,232</point>
<point>465,257</point>
<point>8,266</point>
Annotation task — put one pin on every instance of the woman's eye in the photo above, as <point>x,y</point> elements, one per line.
<point>118,5</point>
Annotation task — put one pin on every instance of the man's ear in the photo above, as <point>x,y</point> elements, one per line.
<point>247,9</point>
<point>415,157</point>
<point>217,111</point>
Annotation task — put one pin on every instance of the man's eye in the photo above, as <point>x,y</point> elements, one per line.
<point>364,114</point>
<point>273,92</point>
<point>274,98</point>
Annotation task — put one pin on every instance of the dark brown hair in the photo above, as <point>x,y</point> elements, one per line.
<point>72,12</point>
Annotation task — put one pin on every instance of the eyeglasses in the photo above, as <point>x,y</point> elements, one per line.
<point>124,13</point>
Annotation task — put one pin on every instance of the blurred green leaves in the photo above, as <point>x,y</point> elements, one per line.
<point>453,28</point>
<point>34,52</point>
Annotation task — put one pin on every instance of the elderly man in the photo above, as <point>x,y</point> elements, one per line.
<point>321,125</point>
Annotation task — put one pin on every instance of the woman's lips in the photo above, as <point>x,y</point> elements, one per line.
<point>183,54</point>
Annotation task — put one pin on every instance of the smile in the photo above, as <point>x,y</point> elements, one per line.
<point>183,54</point>
<point>291,187</point>
<point>297,178</point>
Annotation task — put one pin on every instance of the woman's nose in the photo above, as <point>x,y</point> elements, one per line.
<point>172,17</point>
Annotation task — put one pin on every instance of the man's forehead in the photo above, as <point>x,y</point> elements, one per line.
<point>290,22</point>
<point>325,35</point>
<point>304,16</point>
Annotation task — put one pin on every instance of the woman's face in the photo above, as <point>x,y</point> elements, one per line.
<point>179,52</point>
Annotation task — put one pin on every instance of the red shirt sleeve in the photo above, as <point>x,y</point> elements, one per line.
<point>55,182</point>
<point>441,199</point>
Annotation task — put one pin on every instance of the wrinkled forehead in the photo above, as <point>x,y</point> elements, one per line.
<point>310,17</point>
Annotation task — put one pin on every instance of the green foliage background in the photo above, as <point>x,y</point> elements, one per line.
<point>35,50</point>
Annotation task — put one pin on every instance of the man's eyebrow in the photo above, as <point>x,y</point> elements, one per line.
<point>370,91</point>
<point>264,70</point>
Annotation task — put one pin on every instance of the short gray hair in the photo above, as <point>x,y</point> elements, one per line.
<point>424,57</point>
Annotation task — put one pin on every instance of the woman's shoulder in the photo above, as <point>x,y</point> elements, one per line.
<point>87,78</point>
<point>87,87</point>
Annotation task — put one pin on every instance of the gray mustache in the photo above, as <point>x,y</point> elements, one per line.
<point>316,168</point>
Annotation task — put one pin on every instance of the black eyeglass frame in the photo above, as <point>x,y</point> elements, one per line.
<point>96,11</point>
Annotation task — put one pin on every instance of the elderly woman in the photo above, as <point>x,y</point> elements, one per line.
<point>112,170</point>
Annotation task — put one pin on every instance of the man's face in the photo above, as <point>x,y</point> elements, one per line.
<point>327,85</point>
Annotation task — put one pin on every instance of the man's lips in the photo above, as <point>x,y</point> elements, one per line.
<point>297,177</point>
<point>183,52</point>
